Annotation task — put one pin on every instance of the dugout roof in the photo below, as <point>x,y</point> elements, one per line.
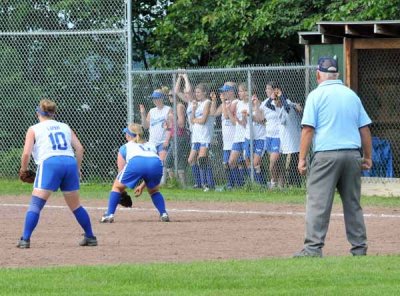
<point>334,32</point>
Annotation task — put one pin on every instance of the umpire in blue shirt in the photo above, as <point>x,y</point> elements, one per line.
<point>336,125</point>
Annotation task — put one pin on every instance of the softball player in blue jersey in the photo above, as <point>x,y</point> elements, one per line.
<point>137,160</point>
<point>52,146</point>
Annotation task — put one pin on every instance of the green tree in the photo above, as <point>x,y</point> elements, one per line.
<point>97,14</point>
<point>234,32</point>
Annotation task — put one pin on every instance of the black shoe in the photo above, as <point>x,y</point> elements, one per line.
<point>24,244</point>
<point>88,241</point>
<point>304,253</point>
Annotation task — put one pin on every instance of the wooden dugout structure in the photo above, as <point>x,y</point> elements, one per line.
<point>354,36</point>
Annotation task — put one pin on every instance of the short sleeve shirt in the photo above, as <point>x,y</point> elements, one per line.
<point>336,113</point>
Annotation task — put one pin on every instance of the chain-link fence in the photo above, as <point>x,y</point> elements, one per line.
<point>179,88</point>
<point>73,59</point>
<point>78,58</point>
<point>379,88</point>
<point>219,165</point>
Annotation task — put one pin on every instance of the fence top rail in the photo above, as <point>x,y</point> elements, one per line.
<point>238,69</point>
<point>88,32</point>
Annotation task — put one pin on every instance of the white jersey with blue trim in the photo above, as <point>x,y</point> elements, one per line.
<point>132,149</point>
<point>240,130</point>
<point>273,122</point>
<point>157,131</point>
<point>290,130</point>
<point>52,138</point>
<point>228,130</point>
<point>188,115</point>
<point>259,130</point>
<point>202,133</point>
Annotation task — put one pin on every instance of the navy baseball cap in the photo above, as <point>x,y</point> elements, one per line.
<point>225,88</point>
<point>328,65</point>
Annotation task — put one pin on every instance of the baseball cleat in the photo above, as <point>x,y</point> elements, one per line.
<point>164,218</point>
<point>24,244</point>
<point>88,241</point>
<point>107,218</point>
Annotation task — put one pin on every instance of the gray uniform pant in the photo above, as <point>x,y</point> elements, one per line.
<point>331,170</point>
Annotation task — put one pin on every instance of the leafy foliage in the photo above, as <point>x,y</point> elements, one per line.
<point>232,32</point>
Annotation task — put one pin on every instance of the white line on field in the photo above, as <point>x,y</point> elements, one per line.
<point>266,213</point>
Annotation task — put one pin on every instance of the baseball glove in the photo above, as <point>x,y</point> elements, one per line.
<point>125,200</point>
<point>27,176</point>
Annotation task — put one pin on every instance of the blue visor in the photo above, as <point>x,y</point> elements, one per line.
<point>43,113</point>
<point>227,88</point>
<point>157,95</point>
<point>127,131</point>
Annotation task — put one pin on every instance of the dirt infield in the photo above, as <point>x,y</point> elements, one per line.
<point>198,231</point>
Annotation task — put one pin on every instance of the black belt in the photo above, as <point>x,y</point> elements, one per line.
<point>343,149</point>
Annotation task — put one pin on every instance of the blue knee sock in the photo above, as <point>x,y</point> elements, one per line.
<point>203,177</point>
<point>246,172</point>
<point>257,177</point>
<point>32,216</point>
<point>210,177</point>
<point>231,179</point>
<point>238,175</point>
<point>83,219</point>
<point>158,201</point>
<point>235,172</point>
<point>196,175</point>
<point>113,201</point>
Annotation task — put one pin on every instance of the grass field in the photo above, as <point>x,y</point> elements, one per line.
<point>372,275</point>
<point>293,196</point>
<point>328,276</point>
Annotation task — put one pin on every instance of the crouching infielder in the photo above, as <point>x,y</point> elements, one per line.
<point>137,160</point>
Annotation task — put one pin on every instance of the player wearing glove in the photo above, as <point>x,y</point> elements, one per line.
<point>27,176</point>
<point>125,200</point>
<point>137,160</point>
<point>58,154</point>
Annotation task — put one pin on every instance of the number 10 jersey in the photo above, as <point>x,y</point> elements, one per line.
<point>52,138</point>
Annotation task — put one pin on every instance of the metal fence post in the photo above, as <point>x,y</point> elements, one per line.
<point>129,60</point>
<point>250,92</point>
<point>175,126</point>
